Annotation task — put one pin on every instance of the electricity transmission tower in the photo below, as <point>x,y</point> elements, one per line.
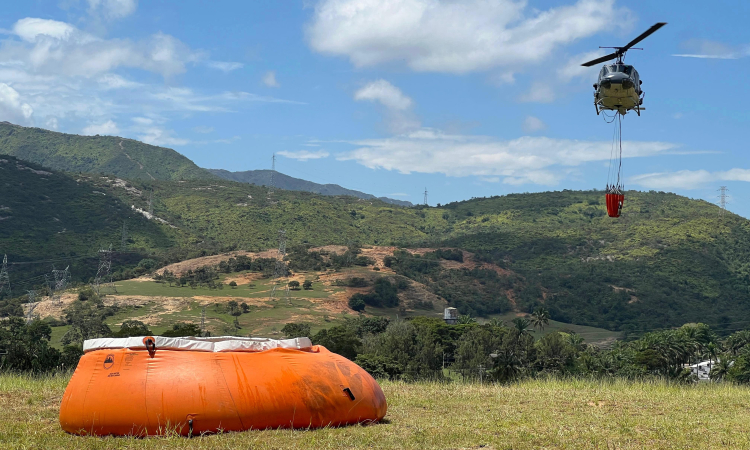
<point>124,243</point>
<point>280,269</point>
<point>105,269</point>
<point>32,306</point>
<point>723,199</point>
<point>203,322</point>
<point>273,171</point>
<point>4,278</point>
<point>62,278</point>
<point>425,196</point>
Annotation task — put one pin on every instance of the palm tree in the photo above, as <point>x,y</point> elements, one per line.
<point>540,318</point>
<point>720,370</point>
<point>496,323</point>
<point>465,319</point>
<point>521,325</point>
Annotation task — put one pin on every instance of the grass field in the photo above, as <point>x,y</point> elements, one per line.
<point>571,414</point>
<point>589,334</point>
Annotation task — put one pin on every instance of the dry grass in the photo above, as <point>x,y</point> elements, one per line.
<point>533,414</point>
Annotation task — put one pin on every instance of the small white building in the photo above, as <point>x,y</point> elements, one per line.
<point>450,315</point>
<point>702,370</point>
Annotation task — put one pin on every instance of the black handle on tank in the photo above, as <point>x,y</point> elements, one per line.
<point>150,346</point>
<point>349,393</point>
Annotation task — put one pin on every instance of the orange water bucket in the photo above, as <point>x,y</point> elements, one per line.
<point>157,385</point>
<point>614,204</point>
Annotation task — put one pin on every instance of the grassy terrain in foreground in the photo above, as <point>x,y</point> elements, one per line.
<point>572,414</point>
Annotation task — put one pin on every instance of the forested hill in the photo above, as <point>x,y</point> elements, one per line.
<point>667,261</point>
<point>281,181</point>
<point>64,220</point>
<point>125,158</point>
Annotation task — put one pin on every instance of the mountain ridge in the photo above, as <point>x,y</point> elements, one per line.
<point>282,181</point>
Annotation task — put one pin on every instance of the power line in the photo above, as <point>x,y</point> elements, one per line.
<point>722,199</point>
<point>4,278</point>
<point>273,171</point>
<point>61,280</point>
<point>124,243</point>
<point>32,306</point>
<point>104,272</point>
<point>280,267</point>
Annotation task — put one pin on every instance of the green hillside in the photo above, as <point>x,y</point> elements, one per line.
<point>669,260</point>
<point>125,158</point>
<point>63,220</point>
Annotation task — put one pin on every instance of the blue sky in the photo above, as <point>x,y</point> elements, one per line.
<point>466,99</point>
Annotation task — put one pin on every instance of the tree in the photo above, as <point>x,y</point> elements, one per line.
<point>339,339</point>
<point>245,309</point>
<point>86,319</point>
<point>131,328</point>
<point>295,330</point>
<point>521,326</point>
<point>357,302</point>
<point>234,308</point>
<point>233,284</point>
<point>307,285</point>
<point>182,330</point>
<point>27,346</point>
<point>294,284</point>
<point>540,318</point>
<point>466,319</point>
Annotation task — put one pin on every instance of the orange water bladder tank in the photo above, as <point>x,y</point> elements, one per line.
<point>156,385</point>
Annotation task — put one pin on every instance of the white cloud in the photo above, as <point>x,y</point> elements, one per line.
<point>574,69</point>
<point>58,48</point>
<point>30,28</point>
<point>113,9</point>
<point>269,79</point>
<point>108,128</point>
<point>532,124</point>
<point>452,36</point>
<point>385,93</point>
<point>399,118</point>
<point>688,179</point>
<point>12,108</point>
<point>112,81</point>
<point>304,155</point>
<point>51,123</point>
<point>142,120</point>
<point>537,160</point>
<point>203,129</point>
<point>540,92</point>
<point>713,50</point>
<point>224,66</point>
<point>161,137</point>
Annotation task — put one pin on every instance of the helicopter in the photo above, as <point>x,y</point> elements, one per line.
<point>619,85</point>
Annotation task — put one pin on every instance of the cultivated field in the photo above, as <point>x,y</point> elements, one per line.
<point>570,414</point>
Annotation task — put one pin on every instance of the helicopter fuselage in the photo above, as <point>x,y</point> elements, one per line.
<point>618,89</point>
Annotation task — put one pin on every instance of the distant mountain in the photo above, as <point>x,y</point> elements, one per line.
<point>281,181</point>
<point>125,158</point>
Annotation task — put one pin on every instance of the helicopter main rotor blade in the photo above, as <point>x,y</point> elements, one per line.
<point>643,36</point>
<point>600,60</point>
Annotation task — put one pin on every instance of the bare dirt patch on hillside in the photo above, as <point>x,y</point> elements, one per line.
<point>214,260</point>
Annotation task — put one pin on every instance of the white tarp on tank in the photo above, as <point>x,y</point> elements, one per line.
<point>200,344</point>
